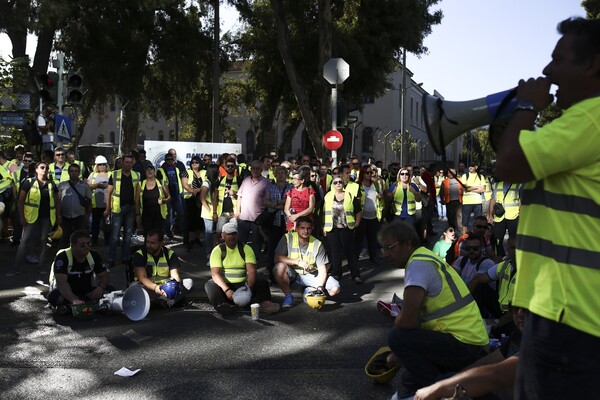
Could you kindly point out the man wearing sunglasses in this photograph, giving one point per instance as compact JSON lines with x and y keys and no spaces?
{"x":439,"y":329}
{"x":78,"y":275}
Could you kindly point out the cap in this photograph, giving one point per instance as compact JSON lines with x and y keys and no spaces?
{"x":230,"y":227}
{"x":101,"y":160}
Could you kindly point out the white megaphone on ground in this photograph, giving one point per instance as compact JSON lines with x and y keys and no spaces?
{"x":134,"y":302}
{"x":447,"y":120}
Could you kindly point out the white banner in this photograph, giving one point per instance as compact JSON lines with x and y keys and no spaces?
{"x":156,"y":150}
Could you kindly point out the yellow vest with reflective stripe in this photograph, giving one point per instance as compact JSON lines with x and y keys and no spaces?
{"x":511,"y":203}
{"x":221,"y":193}
{"x":506,"y":284}
{"x":186,"y":194}
{"x":203,"y":212}
{"x":411,"y":203}
{"x":158,"y":273}
{"x":233,"y":273}
{"x":452,"y":311}
{"x":161,"y":195}
{"x":348,"y":210}
{"x":69,"y":252}
{"x":115,"y":198}
{"x":165,"y":179}
{"x":354,"y":189}
{"x":472,"y":180}
{"x":92,"y":177}
{"x":487,"y":195}
{"x":82,"y":167}
{"x":295,"y":253}
{"x":6,"y":181}
{"x":33,"y":199}
{"x":15,"y":177}
{"x":64,"y":172}
{"x":380,"y":203}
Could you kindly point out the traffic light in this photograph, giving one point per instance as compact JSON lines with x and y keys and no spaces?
{"x":74,"y":89}
{"x":49,"y":87}
{"x":342,"y":114}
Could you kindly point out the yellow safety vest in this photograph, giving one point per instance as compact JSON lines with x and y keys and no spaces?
{"x":6,"y":179}
{"x":158,"y":273}
{"x":348,"y":210}
{"x":453,"y":310}
{"x":354,"y":189}
{"x":411,"y":203}
{"x":33,"y":199}
{"x":233,"y":271}
{"x":506,"y":284}
{"x":380,"y":202}
{"x":203,"y":212}
{"x":64,"y":173}
{"x":221,"y":193}
{"x":186,"y":194}
{"x":487,"y":195}
{"x":472,"y":180}
{"x":161,"y":195}
{"x":511,"y":203}
{"x":295,"y":253}
{"x":69,"y":252}
{"x":93,"y":176}
{"x":165,"y":179}
{"x":115,"y":201}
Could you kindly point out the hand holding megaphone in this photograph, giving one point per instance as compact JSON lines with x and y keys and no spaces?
{"x":537,"y":91}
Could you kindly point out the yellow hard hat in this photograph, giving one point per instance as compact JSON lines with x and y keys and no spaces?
{"x":315,"y":300}
{"x":378,"y":368}
{"x":56,"y":234}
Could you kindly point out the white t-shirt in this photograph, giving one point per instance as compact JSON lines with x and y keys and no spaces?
{"x":369,"y":211}
{"x":470,"y":269}
{"x":423,"y":274}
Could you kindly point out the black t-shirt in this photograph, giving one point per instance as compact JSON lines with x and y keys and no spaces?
{"x":227,"y":200}
{"x":127,"y":192}
{"x":44,"y":210}
{"x":80,"y":278}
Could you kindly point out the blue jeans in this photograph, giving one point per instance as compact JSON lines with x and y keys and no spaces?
{"x":425,"y":355}
{"x":248,"y":232}
{"x":176,"y":209}
{"x":557,"y":362}
{"x":467,"y":209}
{"x":124,"y":219}
{"x":208,"y":229}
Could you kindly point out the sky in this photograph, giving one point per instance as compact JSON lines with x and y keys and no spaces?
{"x":481,"y":46}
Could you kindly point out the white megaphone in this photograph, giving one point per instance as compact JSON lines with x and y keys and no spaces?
{"x":447,"y":120}
{"x":134,"y":302}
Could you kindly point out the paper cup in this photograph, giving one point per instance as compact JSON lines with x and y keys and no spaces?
{"x":255,"y":310}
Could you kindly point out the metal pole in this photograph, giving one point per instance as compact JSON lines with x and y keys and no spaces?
{"x":334,"y":121}
{"x":216,"y":123}
{"x":402,"y":95}
{"x":60,"y":98}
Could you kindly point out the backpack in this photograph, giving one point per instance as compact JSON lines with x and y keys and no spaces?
{"x":464,"y":259}
{"x":240,"y":246}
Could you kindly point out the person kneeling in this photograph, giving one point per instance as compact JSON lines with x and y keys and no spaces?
{"x":233,"y":265}
{"x":154,"y":265}
{"x":301,"y":260}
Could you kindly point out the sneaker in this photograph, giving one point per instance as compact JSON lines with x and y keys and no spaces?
{"x":388,"y":309}
{"x":364,"y":254}
{"x":226,"y":308}
{"x":288,"y":301}
{"x":268,"y":307}
{"x":13,"y":272}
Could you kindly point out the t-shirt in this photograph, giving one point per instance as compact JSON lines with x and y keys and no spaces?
{"x":370,"y":210}
{"x":470,"y":269}
{"x":227,"y":200}
{"x":441,"y":248}
{"x":424,"y":275}
{"x":320,"y":259}
{"x":127,"y":193}
{"x":232,"y":258}
{"x":81,"y":277}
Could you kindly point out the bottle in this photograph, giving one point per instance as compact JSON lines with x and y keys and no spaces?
{"x":107,"y":221}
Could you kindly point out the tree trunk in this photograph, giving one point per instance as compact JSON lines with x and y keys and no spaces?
{"x":283,"y":43}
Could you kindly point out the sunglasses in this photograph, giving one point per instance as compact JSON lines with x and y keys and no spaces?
{"x":404,"y":174}
{"x":472,"y":248}
{"x":305,"y":161}
{"x":27,"y":160}
{"x":168,"y":159}
{"x":355,"y":163}
{"x":337,"y":182}
{"x":388,"y":248}
{"x":195,"y":162}
{"x":450,"y":230}
{"x":42,"y":167}
{"x":230,"y":166}
{"x":86,"y":244}
{"x":481,"y":226}
{"x":59,"y":154}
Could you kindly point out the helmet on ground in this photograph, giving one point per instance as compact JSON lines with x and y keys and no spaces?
{"x":100,"y":160}
{"x":378,"y":368}
{"x":84,"y":311}
{"x":171,"y":288}
{"x":315,"y":299}
{"x":2,"y":207}
{"x":242,"y":296}
{"x":56,"y":234}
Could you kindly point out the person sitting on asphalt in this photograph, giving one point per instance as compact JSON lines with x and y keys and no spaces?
{"x":480,"y":227}
{"x":75,"y":272}
{"x":439,"y":328}
{"x":472,"y":264}
{"x":301,"y":260}
{"x":153,"y":265}
{"x":233,"y":265}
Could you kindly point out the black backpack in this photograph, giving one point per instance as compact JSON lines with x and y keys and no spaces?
{"x":240,"y":246}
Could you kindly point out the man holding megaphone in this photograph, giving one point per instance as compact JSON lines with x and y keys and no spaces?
{"x":558,"y":279}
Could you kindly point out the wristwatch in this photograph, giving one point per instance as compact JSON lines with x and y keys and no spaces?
{"x":525,"y":105}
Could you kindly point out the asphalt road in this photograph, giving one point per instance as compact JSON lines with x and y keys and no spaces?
{"x":193,"y":353}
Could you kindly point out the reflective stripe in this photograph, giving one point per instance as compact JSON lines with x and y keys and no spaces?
{"x":560,"y":202}
{"x":559,"y":253}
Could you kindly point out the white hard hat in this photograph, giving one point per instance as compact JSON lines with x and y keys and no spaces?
{"x":101,"y":160}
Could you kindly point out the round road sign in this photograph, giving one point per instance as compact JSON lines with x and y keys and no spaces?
{"x":333,"y":140}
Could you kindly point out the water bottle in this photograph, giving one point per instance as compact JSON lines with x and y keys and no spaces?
{"x":107,"y":221}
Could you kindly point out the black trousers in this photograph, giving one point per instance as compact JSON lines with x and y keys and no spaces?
{"x":216,"y":296}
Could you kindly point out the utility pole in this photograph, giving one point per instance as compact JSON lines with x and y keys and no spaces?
{"x":216,"y":123}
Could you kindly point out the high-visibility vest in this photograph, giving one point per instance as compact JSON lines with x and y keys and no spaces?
{"x":354,"y":189}
{"x":379,"y":200}
{"x":411,"y":203}
{"x":165,"y":180}
{"x":348,"y":210}
{"x":487,"y":195}
{"x":82,"y":168}
{"x":16,"y":177}
{"x":453,"y":310}
{"x":451,"y":188}
{"x":232,"y":271}
{"x":309,"y":256}
{"x":186,"y":194}
{"x":161,"y":195}
{"x":69,"y":252}
{"x":64,"y":173}
{"x":507,"y":276}
{"x":221,"y":193}
{"x":157,"y":272}
{"x":5,"y":179}
{"x":511,"y":202}
{"x":93,"y":177}
{"x":472,"y":180}
{"x":204,"y":213}
{"x":115,"y":201}
{"x":33,"y":200}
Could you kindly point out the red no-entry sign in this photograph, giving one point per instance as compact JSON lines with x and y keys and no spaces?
{"x":333,"y":140}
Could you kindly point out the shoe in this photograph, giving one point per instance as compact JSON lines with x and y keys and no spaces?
{"x":288,"y":301}
{"x":364,"y":254}
{"x":388,"y":309}
{"x":268,"y":307}
{"x":358,"y":281}
{"x":13,"y":272}
{"x":62,"y":310}
{"x":226,"y":308}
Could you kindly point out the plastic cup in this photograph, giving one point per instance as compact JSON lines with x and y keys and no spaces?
{"x":254,"y":311}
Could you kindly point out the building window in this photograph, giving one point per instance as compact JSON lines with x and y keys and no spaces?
{"x":112,"y":137}
{"x":101,"y":138}
{"x":411,"y":110}
{"x":249,"y":141}
{"x":367,"y":140}
{"x":418,"y":119}
{"x":161,"y":136}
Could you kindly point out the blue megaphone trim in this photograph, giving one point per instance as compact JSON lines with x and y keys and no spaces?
{"x":500,"y":106}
